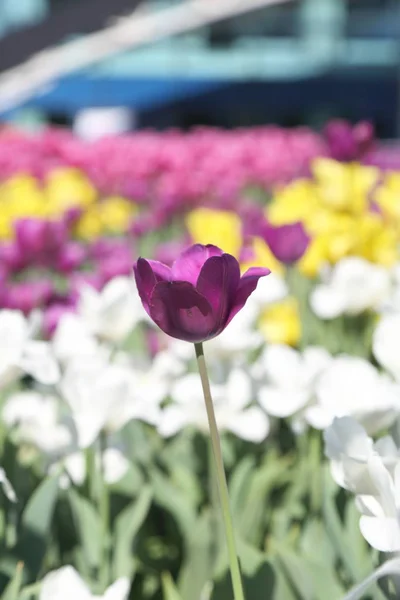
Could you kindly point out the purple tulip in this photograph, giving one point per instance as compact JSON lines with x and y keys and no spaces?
{"x":287,"y":242}
{"x":30,"y":235}
{"x":347,"y":142}
{"x":26,"y":296}
{"x":71,"y":256}
{"x":199,"y":295}
{"x":11,"y":257}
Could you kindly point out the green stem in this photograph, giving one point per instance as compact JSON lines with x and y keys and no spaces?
{"x":104,"y":510}
{"x":221,"y":477}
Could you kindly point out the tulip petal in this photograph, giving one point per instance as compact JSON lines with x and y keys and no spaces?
{"x":188,"y":265}
{"x":181,"y":311}
{"x":218,"y":281}
{"x":247,"y":285}
{"x":147,"y":274}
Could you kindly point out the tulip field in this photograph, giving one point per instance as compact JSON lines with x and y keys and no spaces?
{"x":155,"y":281}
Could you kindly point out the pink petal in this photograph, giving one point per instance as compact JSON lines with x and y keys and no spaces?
{"x":147,"y":274}
{"x":247,"y":285}
{"x":218,"y":282}
{"x":188,"y":265}
{"x":181,"y":311}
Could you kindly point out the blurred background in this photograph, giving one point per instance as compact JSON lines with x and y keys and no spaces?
{"x":105,"y":66}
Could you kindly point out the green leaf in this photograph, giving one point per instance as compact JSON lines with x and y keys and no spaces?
{"x":88,"y":523}
{"x":250,"y":519}
{"x":12,"y":591}
{"x":175,"y":501}
{"x":239,"y":484}
{"x":170,"y":591}
{"x":260,"y":586}
{"x":36,"y":525}
{"x":198,"y":566}
{"x":297,"y":573}
{"x":126,"y":526}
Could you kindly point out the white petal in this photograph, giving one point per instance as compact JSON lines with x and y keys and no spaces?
{"x":369,"y":506}
{"x":346,"y":436}
{"x":173,"y":419}
{"x":251,"y":425}
{"x":352,"y":386}
{"x":280,"y":402}
{"x":64,"y":584}
{"x":7,"y":487}
{"x":381,"y":533}
{"x":269,"y":290}
{"x":327,"y":302}
{"x":384,"y":485}
{"x":115,"y":464}
{"x":315,"y":360}
{"x":118,"y":590}
{"x":38,"y":361}
{"x":385,"y":343}
{"x":283,"y":365}
{"x":112,"y":313}
{"x":319,"y":416}
{"x":75,"y":465}
{"x":238,"y":388}
{"x":188,"y":390}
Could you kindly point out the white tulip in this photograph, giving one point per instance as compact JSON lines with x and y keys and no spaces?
{"x":380,"y":521}
{"x":20,"y":353}
{"x":287,"y":378}
{"x":351,"y":287}
{"x":371,"y":471}
{"x":36,"y":419}
{"x":72,"y":339}
{"x":115,"y":466}
{"x":112,"y":313}
{"x":349,"y":448}
{"x":231,"y":404}
{"x":66,"y":583}
{"x":385,"y":343}
{"x":106,"y":396}
{"x":351,"y":386}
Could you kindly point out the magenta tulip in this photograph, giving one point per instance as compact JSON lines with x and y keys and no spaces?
{"x":199,"y":295}
{"x":287,"y":242}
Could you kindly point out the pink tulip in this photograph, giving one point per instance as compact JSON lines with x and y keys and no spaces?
{"x":199,"y":295}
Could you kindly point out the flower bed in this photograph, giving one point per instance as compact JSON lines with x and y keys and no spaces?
{"x":104,"y":434}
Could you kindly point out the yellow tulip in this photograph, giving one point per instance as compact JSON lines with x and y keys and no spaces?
{"x":89,"y":226}
{"x":388,"y":196}
{"x":315,"y":257}
{"x":263,"y":257}
{"x":219,"y":227}
{"x":66,"y":188}
{"x":116,"y":214}
{"x":280,"y":323}
{"x":293,"y":203}
{"x":344,"y":186}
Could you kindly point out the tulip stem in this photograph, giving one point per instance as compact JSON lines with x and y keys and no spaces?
{"x":221,"y":477}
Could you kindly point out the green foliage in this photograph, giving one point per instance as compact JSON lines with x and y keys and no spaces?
{"x":297,"y":534}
